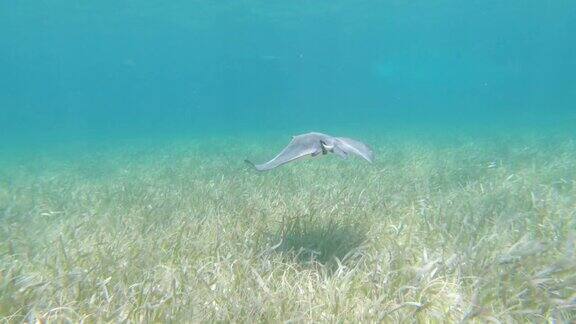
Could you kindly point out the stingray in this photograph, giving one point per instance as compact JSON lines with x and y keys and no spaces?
{"x":314,"y":144}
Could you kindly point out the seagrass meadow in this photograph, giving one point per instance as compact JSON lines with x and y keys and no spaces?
{"x":125,"y":198}
{"x":442,"y":228}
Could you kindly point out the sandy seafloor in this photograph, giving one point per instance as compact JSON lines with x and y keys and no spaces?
{"x":442,"y":227}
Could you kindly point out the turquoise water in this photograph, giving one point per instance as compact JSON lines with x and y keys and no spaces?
{"x":124,"y":195}
{"x":118,"y":69}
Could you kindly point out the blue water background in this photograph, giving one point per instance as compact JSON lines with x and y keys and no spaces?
{"x":89,"y":69}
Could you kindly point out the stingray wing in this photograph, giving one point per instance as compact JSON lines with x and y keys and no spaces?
{"x":300,"y":146}
{"x":350,"y":146}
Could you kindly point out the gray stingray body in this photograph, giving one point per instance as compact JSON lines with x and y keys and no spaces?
{"x":314,"y":144}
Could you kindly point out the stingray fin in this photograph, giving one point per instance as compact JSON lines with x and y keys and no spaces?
{"x":299,"y":147}
{"x":341,"y":153}
{"x":349,"y":145}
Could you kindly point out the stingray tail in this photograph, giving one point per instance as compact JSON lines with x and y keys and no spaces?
{"x":251,"y":164}
{"x":254,"y":165}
